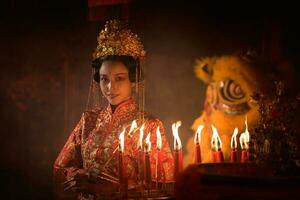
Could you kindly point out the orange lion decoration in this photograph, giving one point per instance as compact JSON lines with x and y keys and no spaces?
{"x":231,"y":81}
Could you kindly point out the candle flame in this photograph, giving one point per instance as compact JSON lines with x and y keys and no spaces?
{"x":198,"y":134}
{"x":158,"y":139}
{"x":132,"y":128}
{"x":216,"y":142}
{"x":233,"y":142}
{"x":246,"y":130}
{"x":245,"y":137}
{"x":140,"y":144}
{"x":121,"y":140}
{"x":177,"y":141}
{"x":147,"y":143}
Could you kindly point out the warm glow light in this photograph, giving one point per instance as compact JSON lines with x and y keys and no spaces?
{"x":158,"y":139}
{"x":198,"y":134}
{"x":177,"y":141}
{"x":132,"y":128}
{"x":140,"y":144}
{"x":216,"y":142}
{"x":245,"y":137}
{"x":247,"y":132}
{"x":121,"y":140}
{"x":243,"y":142}
{"x":233,"y":142}
{"x":148,"y":143}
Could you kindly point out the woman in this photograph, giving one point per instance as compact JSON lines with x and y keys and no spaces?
{"x":87,"y":166}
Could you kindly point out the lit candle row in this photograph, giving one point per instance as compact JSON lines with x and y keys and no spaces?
{"x":216,"y":145}
{"x":144,"y":166}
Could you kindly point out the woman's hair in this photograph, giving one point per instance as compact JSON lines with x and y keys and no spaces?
{"x":133,"y":66}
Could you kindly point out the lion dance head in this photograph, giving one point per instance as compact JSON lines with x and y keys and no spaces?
{"x":231,"y":82}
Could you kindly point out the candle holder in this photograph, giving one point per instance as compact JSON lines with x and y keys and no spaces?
{"x":232,"y":169}
{"x":235,"y":181}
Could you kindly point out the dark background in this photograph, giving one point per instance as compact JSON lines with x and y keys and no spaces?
{"x":46,"y":49}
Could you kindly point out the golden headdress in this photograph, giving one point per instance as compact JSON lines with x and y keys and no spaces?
{"x":117,"y":39}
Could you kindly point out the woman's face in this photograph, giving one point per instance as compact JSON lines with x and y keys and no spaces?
{"x":114,"y":82}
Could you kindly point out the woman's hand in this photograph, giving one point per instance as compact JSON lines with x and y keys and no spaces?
{"x":89,"y":182}
{"x":77,"y":181}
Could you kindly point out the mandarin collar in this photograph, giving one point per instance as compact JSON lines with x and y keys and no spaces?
{"x":128,"y":105}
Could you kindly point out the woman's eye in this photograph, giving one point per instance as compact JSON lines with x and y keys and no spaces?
{"x":120,"y":78}
{"x":103,"y":79}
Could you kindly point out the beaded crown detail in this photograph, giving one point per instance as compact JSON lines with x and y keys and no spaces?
{"x":117,"y":39}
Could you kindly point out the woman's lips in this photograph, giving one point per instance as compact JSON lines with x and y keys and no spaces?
{"x":112,"y":96}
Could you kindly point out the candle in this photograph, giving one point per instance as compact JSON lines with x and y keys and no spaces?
{"x":233,"y":146}
{"x":244,"y":156}
{"x":133,"y":128}
{"x":213,"y":156}
{"x":212,"y":144}
{"x":244,"y":142}
{"x":216,"y":144}
{"x":233,"y":155}
{"x":219,"y":156}
{"x":177,"y":150}
{"x":122,"y":173}
{"x":158,"y":158}
{"x":147,"y":162}
{"x":197,"y":140}
{"x":141,"y":155}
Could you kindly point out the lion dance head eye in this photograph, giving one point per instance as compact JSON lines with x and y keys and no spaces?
{"x":232,"y":99}
{"x":231,"y":91}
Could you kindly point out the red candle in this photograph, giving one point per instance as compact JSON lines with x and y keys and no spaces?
{"x":158,"y":158}
{"x":233,"y":155}
{"x":219,"y":156}
{"x":197,"y":158}
{"x":121,"y":169}
{"x":147,"y":163}
{"x":141,"y":156}
{"x":213,"y":156}
{"x":233,"y":146}
{"x":141,"y":161}
{"x":216,"y":145}
{"x":244,"y":142}
{"x":197,"y":140}
{"x":178,"y":164}
{"x":244,"y":156}
{"x":147,"y":171}
{"x":159,"y":167}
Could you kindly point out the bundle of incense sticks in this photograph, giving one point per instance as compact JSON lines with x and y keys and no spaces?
{"x":107,"y":177}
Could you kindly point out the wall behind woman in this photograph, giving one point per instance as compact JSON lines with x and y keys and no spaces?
{"x":45,"y":57}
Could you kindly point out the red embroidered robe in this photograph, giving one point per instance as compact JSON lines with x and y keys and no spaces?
{"x":96,"y":136}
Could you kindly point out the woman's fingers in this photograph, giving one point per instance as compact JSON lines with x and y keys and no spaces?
{"x":68,"y":181}
{"x":69,"y":185}
{"x":75,"y":177}
{"x":76,"y":182}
